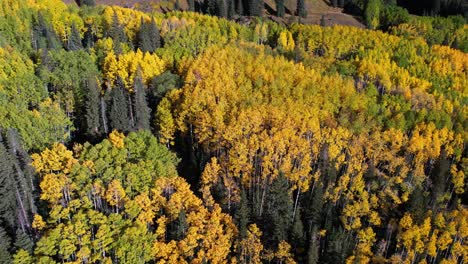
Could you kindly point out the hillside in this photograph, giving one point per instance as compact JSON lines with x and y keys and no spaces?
{"x":316,"y":9}
{"x":129,"y":136}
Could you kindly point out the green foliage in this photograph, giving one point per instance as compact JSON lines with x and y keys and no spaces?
{"x":141,"y":109}
{"x":393,"y":15}
{"x":372,"y":13}
{"x":119,"y":108}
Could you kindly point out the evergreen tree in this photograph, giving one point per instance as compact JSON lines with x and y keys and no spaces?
{"x":7,"y":191}
{"x":177,"y":6}
{"x":313,"y":251}
{"x":118,"y":110}
{"x":89,"y":2}
{"x":277,"y":218}
{"x":74,"y":41}
{"x":221,"y":8}
{"x":301,"y":9}
{"x":239,"y":7}
{"x":92,"y":91}
{"x":43,"y":35}
{"x":297,"y":233}
{"x":5,"y":244}
{"x":117,"y":33}
{"x":212,"y":7}
{"x":23,"y":241}
{"x":243,"y":214}
{"x":418,"y":205}
{"x":255,"y":7}
{"x":341,"y":3}
{"x":436,"y":7}
{"x":231,"y":9}
{"x":180,"y":227}
{"x":23,"y":179}
{"x":149,"y":38}
{"x":141,"y":109}
{"x":191,"y":5}
{"x":280,"y":9}
{"x":154,"y":35}
{"x":144,"y":41}
{"x":88,"y":39}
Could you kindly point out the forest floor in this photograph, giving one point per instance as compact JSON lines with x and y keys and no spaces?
{"x":316,"y":10}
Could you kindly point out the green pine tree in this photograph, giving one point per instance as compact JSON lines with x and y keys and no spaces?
{"x":74,"y":41}
{"x":154,"y":35}
{"x":144,"y":41}
{"x":239,"y":7}
{"x":313,"y":251}
{"x":5,"y":244}
{"x":23,"y":241}
{"x":141,"y":109}
{"x":191,"y":5}
{"x":117,"y":33}
{"x":92,"y":111}
{"x":243,"y":214}
{"x":88,"y":38}
{"x":118,"y":110}
{"x":7,"y":189}
{"x":301,"y":9}
{"x":280,"y":9}
{"x":279,"y":209}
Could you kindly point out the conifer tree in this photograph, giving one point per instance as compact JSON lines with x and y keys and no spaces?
{"x":256,"y":7}
{"x":301,"y":9}
{"x":221,"y":8}
{"x":89,"y":2}
{"x":191,"y":5}
{"x":243,"y":214}
{"x":23,"y":179}
{"x":7,"y":192}
{"x":144,"y":42}
{"x":239,"y":7}
{"x":154,"y":35}
{"x":280,"y":10}
{"x":117,"y":33}
{"x":231,"y":9}
{"x":436,"y":7}
{"x":118,"y":110}
{"x":88,"y":38}
{"x":5,"y":244}
{"x":92,"y":102}
{"x":149,"y":38}
{"x":141,"y":109}
{"x":212,"y":7}
{"x":277,"y":217}
{"x":74,"y":41}
{"x":23,"y":241}
{"x":313,"y":251}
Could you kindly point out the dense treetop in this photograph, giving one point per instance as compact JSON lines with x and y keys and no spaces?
{"x":181,"y":137}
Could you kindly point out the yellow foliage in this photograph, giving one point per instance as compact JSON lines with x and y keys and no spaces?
{"x":117,"y":139}
{"x":126,"y":66}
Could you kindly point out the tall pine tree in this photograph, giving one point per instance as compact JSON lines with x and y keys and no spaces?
{"x":141,"y":110}
{"x":5,"y":244}
{"x":301,"y":9}
{"x":117,"y":33}
{"x":118,"y":110}
{"x":74,"y":40}
{"x":92,"y":112}
{"x":280,"y":9}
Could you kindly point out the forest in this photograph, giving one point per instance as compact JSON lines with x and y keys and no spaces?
{"x":195,"y":136}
